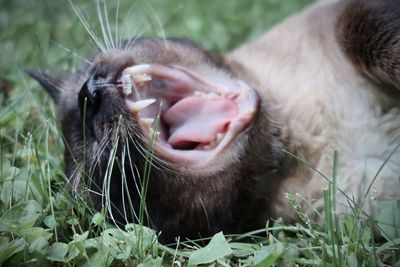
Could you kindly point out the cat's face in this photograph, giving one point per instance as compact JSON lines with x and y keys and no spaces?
{"x":168,"y":107}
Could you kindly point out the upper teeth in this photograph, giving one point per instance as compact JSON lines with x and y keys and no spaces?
{"x":139,"y":105}
{"x":144,"y":77}
{"x":147,"y":122}
{"x":126,"y":84}
{"x":210,"y":95}
{"x":137,"y":69}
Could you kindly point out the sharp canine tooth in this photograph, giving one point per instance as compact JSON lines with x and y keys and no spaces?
{"x":147,"y":121}
{"x":138,"y":69}
{"x":142,"y":78}
{"x":140,"y":105}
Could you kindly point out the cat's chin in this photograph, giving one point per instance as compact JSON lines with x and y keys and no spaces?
{"x":190,"y":119}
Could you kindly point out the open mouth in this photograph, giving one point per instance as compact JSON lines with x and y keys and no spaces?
{"x":191,"y":119}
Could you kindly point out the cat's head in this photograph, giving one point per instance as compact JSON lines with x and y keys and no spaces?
{"x":167,"y":110}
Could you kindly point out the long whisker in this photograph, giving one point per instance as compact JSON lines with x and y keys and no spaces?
{"x":73,"y":53}
{"x":86,"y":25}
{"x":103,"y":29}
{"x":137,"y":36}
{"x":124,"y":189}
{"x":111,"y":40}
{"x":132,"y":167}
{"x":157,"y":163}
{"x":157,"y":20}
{"x":116,"y":24}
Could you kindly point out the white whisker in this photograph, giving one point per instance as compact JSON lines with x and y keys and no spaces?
{"x":111,"y":40}
{"x":103,"y":30}
{"x":86,"y":25}
{"x":163,"y":36}
{"x":117,"y":38}
{"x":134,"y":180}
{"x":137,"y":36}
{"x":73,"y":53}
{"x":157,"y":163}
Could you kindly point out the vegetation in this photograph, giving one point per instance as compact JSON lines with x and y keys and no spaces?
{"x":41,"y":224}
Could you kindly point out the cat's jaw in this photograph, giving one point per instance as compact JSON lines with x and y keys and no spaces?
{"x":190,"y":119}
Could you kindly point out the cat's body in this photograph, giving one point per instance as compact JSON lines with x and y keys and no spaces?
{"x":325,"y":104}
{"x":318,"y":89}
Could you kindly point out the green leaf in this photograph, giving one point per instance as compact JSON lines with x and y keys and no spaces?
{"x":351,"y":259}
{"x":7,"y":179}
{"x":268,"y":255}
{"x":50,"y":221}
{"x":57,"y":252}
{"x":101,"y":258}
{"x":7,"y":249}
{"x":389,"y":219}
{"x":118,"y":243}
{"x":20,"y":216}
{"x":73,"y":221}
{"x":91,"y":243}
{"x":143,"y":235}
{"x":242,"y":249}
{"x":73,"y":252}
{"x":151,"y":262}
{"x":39,"y":245}
{"x":77,"y":246}
{"x":216,"y":249}
{"x":30,"y":234}
{"x":98,"y":218}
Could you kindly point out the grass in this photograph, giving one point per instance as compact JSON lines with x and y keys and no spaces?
{"x":41,"y":224}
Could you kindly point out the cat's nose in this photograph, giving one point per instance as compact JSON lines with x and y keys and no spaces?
{"x":91,"y":93}
{"x":90,"y":96}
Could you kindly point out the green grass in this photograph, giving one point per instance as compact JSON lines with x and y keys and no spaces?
{"x":42,"y":224}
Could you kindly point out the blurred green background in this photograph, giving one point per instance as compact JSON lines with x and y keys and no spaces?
{"x":48,"y":33}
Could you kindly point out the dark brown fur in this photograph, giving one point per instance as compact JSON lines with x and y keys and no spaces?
{"x":369,"y":33}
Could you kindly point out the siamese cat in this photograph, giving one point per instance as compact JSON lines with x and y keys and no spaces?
{"x":214,"y":143}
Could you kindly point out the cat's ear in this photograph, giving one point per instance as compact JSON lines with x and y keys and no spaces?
{"x":52,"y":85}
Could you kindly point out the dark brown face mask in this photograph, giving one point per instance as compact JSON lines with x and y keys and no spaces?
{"x":163,"y":117}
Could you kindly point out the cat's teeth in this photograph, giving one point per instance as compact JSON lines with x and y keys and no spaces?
{"x":213,"y":96}
{"x":147,"y":122}
{"x":134,"y":70}
{"x":199,"y":94}
{"x":142,"y":78}
{"x":207,"y":96}
{"x":126,"y":84}
{"x":139,"y":105}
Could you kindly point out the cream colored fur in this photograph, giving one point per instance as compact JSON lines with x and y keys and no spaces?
{"x":323,"y":104}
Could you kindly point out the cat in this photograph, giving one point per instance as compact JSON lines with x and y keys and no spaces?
{"x":215,"y":142}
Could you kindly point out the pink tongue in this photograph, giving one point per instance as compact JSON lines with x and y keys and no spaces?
{"x":196,"y":120}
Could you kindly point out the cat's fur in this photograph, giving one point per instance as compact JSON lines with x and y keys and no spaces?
{"x":328,"y":79}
